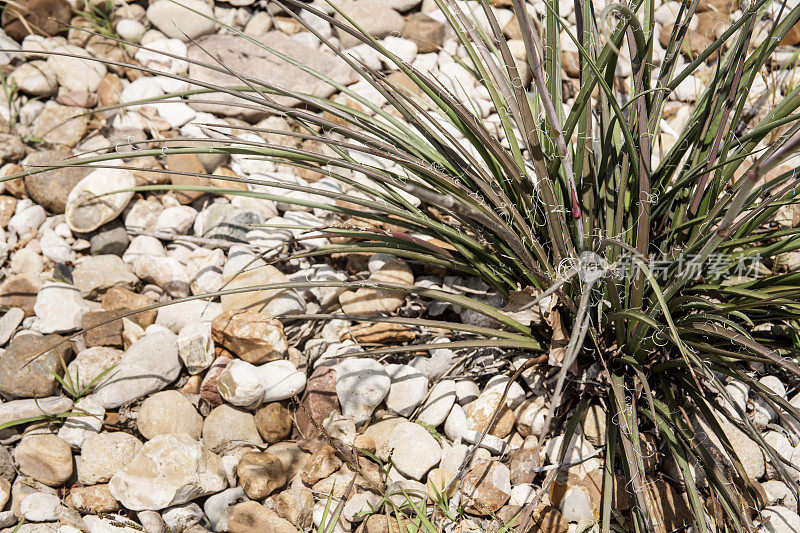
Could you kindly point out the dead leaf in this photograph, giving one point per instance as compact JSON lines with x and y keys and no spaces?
{"x":520,"y":309}
{"x":559,"y":340}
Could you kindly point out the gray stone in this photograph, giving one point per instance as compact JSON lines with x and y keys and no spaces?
{"x":249,"y":59}
{"x":9,"y":323}
{"x":178,"y":315}
{"x":408,"y":390}
{"x":169,"y":470}
{"x":59,"y":308}
{"x":110,"y":239}
{"x":196,"y":347}
{"x":225,"y":424}
{"x":439,"y":403}
{"x":149,"y":365}
{"x":215,"y":506}
{"x":89,"y":204}
{"x":177,"y":22}
{"x":17,"y":409}
{"x":94,"y":275}
{"x":76,"y":429}
{"x":228,"y":223}
{"x":414,"y":450}
{"x":375,"y":17}
{"x":361,"y":384}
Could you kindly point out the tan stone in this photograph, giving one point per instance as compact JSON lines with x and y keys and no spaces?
{"x":438,"y":478}
{"x":45,"y":458}
{"x":260,"y":474}
{"x":723,"y":6}
{"x":487,"y":488}
{"x":8,"y":205}
{"x":334,"y":485}
{"x":590,"y":489}
{"x":249,"y":517}
{"x":712,"y":24}
{"x":274,"y":422}
{"x":148,"y":172}
{"x":190,"y":163}
{"x":521,"y":465}
{"x":110,"y":90}
{"x":379,"y":523}
{"x":169,"y":412}
{"x":227,"y":184}
{"x":320,"y":465}
{"x":376,"y":18}
{"x":102,"y":329}
{"x":378,"y":333}
{"x":254,"y":337}
{"x":530,"y":416}
{"x":426,"y":32}
{"x":40,"y":17}
{"x":668,"y":508}
{"x":20,"y":291}
{"x":403,"y":81}
{"x":594,"y":425}
{"x":252,"y":276}
{"x":15,"y":187}
{"x":364,"y":442}
{"x":792,"y":37}
{"x":479,"y":414}
{"x":366,"y":301}
{"x":93,"y":499}
{"x":294,"y":459}
{"x":121,"y":299}
{"x":60,"y":125}
{"x":552,"y":521}
{"x":296,"y":505}
{"x":30,"y":365}
{"x":693,"y":44}
{"x":318,"y":402}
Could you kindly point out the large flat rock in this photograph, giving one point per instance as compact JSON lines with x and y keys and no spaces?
{"x":249,"y":59}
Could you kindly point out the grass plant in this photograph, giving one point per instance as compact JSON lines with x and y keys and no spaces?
{"x":640,"y":244}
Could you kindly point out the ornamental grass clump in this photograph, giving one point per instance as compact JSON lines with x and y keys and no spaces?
{"x":641,"y":268}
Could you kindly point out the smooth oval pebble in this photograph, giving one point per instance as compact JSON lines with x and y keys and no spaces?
{"x":281,"y":380}
{"x":89,"y":205}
